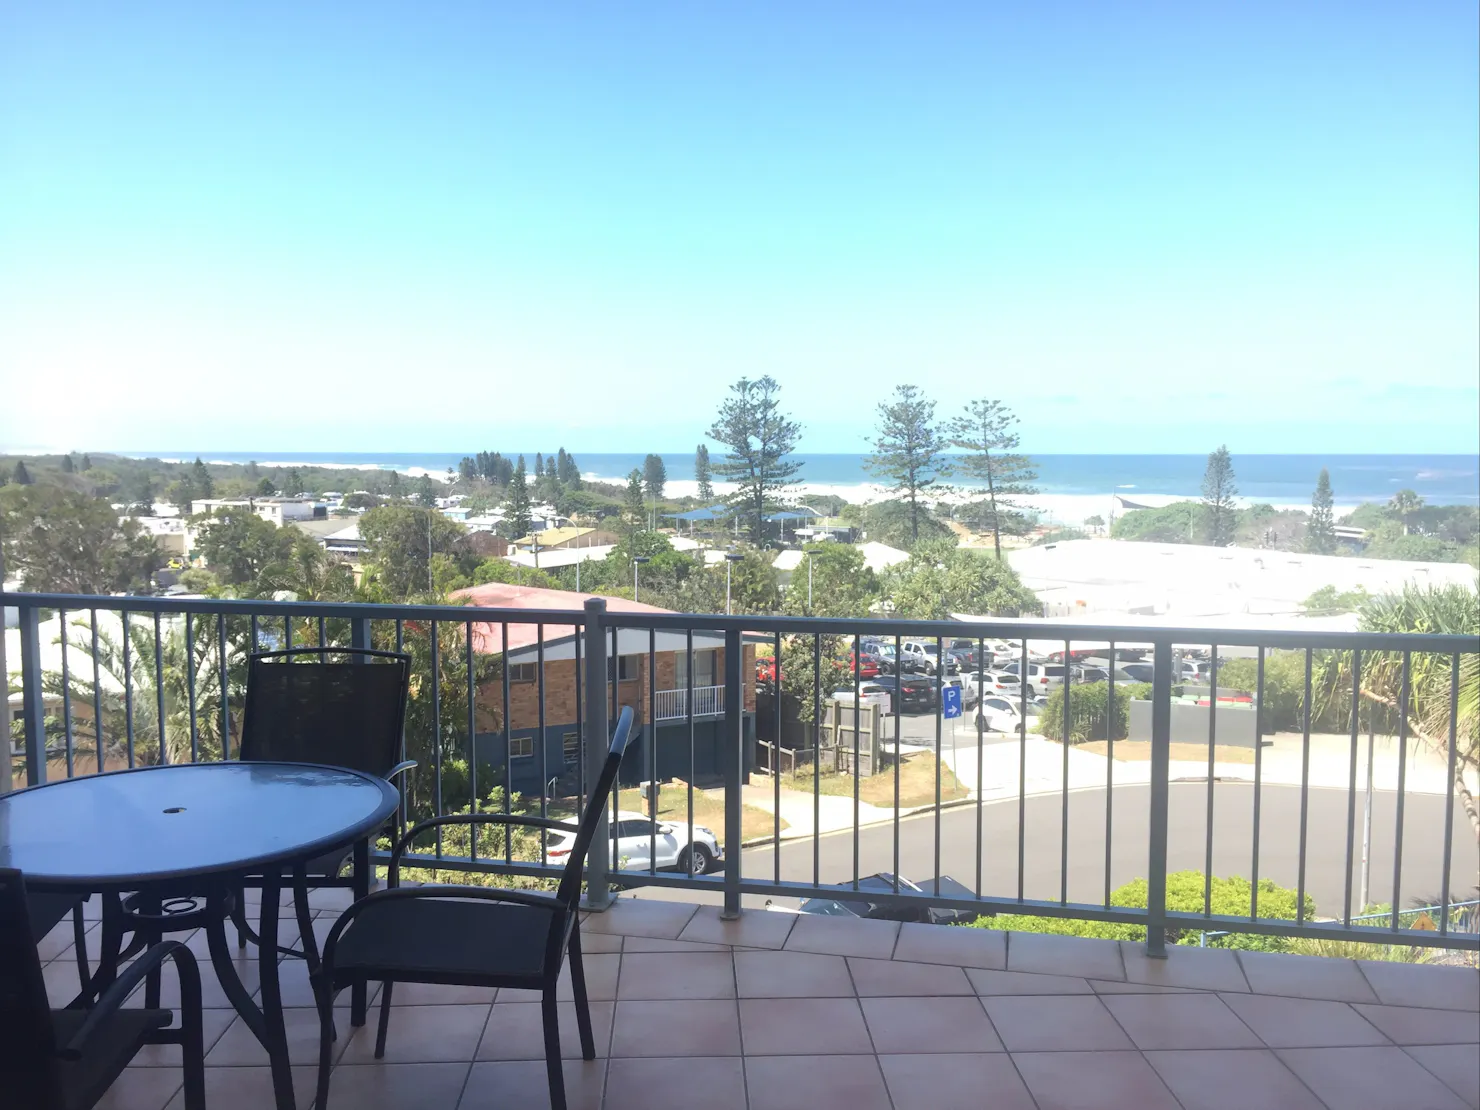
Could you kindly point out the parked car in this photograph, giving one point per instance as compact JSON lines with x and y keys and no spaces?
{"x":905,"y":662}
{"x":903,"y":906}
{"x":869,"y":693}
{"x":927,"y":651}
{"x":970,"y":692}
{"x":1135,"y":672}
{"x":694,"y":850}
{"x":1039,"y":676}
{"x":866,"y":663}
{"x":996,"y":682}
{"x":999,"y":714}
{"x":915,"y":693}
{"x":1194,"y":670}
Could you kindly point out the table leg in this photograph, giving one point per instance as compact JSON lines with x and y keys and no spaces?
{"x":110,"y":945}
{"x":359,"y":990}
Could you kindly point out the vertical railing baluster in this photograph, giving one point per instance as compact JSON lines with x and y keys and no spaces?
{"x":223,"y":684}
{"x":1449,"y":795}
{"x":1022,"y":768}
{"x":1161,"y":743}
{"x":190,"y":687}
{"x":288,"y":632}
{"x":580,"y":645}
{"x":775,"y":752}
{"x":651,"y":750}
{"x":321,"y":632}
{"x":940,"y":721}
{"x":1064,"y":783}
{"x":66,"y":694}
{"x":97,"y":692}
{"x":857,"y":770}
{"x":1403,"y":703}
{"x":613,"y":681}
{"x":981,"y":696}
{"x":437,"y":731}
{"x":164,"y":745}
{"x":128,"y":683}
{"x":734,"y":770}
{"x":1112,"y":720}
{"x":255,"y":639}
{"x":595,"y":741}
{"x":898,"y":740}
{"x":543,"y":755}
{"x":472,"y":738}
{"x":1304,"y":793}
{"x":1259,"y":719}
{"x":1212,"y":747}
{"x":508,"y":745}
{"x":816,"y":763}
{"x":688,"y":702}
{"x":1351,"y":790}
{"x":33,"y":700}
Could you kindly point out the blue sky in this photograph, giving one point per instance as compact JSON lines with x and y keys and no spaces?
{"x":1147,"y":226}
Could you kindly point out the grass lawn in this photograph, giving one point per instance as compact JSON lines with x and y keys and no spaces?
{"x":673,"y":805}
{"x":1139,"y":751}
{"x":916,"y":783}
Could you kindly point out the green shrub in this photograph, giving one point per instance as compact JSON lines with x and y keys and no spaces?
{"x":1230,"y":896}
{"x":1088,"y":709}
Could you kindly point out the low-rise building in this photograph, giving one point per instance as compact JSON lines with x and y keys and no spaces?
{"x":557,"y":539}
{"x":274,"y":510}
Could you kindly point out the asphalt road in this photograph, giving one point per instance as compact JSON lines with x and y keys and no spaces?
{"x":832,"y":854}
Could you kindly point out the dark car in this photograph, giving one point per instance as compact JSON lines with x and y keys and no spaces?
{"x":912,"y":693}
{"x":901,"y":907}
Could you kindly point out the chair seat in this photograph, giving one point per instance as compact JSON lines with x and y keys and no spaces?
{"x":108,"y":1051}
{"x":422,"y":939}
{"x":47,"y":911}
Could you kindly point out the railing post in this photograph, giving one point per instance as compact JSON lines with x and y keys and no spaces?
{"x":5,"y":771}
{"x":596,"y":741}
{"x":33,"y":705}
{"x":734,"y":770}
{"x":359,"y":633}
{"x":1161,"y":755}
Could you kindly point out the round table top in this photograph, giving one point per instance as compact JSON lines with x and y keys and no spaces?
{"x":131,"y":828}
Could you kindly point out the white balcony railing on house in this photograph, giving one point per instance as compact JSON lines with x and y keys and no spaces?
{"x":709,"y":701}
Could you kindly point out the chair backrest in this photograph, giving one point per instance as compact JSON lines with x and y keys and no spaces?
{"x":569,"y":890}
{"x":302,"y":707}
{"x":28,"y":1045}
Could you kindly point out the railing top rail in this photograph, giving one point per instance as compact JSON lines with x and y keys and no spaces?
{"x":1010,"y":630}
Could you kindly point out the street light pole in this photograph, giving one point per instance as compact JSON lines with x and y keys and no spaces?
{"x":809,"y":582}
{"x":731,"y":558}
{"x":637,"y":561}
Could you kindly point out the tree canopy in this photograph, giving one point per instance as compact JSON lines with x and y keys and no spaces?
{"x":940,"y":579}
{"x":59,"y":540}
{"x":400,"y":539}
{"x":988,"y":434}
{"x":1320,"y":533}
{"x":759,"y":439}
{"x":1219,"y":489}
{"x":909,"y":450}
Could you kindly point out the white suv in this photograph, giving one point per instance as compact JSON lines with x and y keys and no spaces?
{"x":1041,"y":677}
{"x":695,"y":851}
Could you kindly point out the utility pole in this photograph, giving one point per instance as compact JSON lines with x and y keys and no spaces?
{"x":637,"y":561}
{"x":731,"y":558}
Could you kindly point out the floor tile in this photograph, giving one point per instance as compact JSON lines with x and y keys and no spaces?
{"x":1412,"y":1025}
{"x":955,"y":1082}
{"x":929,"y":1025}
{"x":1022,"y":982}
{"x":675,"y":1084}
{"x":812,"y":1082}
{"x":420,"y":1034}
{"x":639,"y":917}
{"x":1368,"y":1079}
{"x":525,"y":1084}
{"x":1107,"y":986}
{"x":1168,"y":1021}
{"x":843,"y":936}
{"x":601,"y":942}
{"x":792,"y":975}
{"x":1334,"y":980}
{"x":238,"y":1047}
{"x":1444,"y":988}
{"x":602,"y":969}
{"x":1303,"y":1022}
{"x":213,"y":1023}
{"x":790,"y":1026}
{"x":932,"y":944}
{"x":676,"y":1028}
{"x":1093,"y":1081}
{"x":388,"y":1086}
{"x":652,"y":975}
{"x":59,"y":941}
{"x":661,"y":944}
{"x":516,"y":1031}
{"x":143,"y":1088}
{"x":250,"y":1088}
{"x":1234,"y":1079}
{"x":1185,"y":966}
{"x":1457,"y":1065}
{"x":436,"y":994}
{"x":1047,"y":1023}
{"x":752,"y":929}
{"x":885,"y":978}
{"x":1056,"y":955}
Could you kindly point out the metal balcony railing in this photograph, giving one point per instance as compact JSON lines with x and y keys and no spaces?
{"x":110,"y":682}
{"x":708,"y":701}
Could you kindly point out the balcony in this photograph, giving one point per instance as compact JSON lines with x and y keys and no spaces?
{"x":775,"y":1009}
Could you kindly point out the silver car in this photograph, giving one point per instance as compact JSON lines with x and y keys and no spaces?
{"x":693,"y":850}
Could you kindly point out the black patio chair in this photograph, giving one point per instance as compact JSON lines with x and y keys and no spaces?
{"x":67,"y":1059}
{"x":47,"y":912}
{"x":301,"y":707}
{"x":471,"y":936}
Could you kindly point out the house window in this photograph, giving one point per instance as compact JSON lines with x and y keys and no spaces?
{"x":571,"y":744}
{"x":704,"y":669}
{"x":522,"y":672}
{"x":521,"y":747}
{"x":626,"y":668}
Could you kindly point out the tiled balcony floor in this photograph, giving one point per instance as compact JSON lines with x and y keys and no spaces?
{"x":777,"y":1012}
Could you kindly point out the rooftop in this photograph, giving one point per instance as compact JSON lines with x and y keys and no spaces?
{"x":778,"y":1011}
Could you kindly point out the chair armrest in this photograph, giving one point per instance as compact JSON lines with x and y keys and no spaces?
{"x":531,"y":898}
{"x":400,"y":769}
{"x":469,"y":819}
{"x":118,"y":992}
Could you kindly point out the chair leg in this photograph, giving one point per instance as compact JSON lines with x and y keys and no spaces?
{"x":578,"y":989}
{"x":552,"y":1049}
{"x":79,"y":946}
{"x":239,"y":918}
{"x":324,"y":997}
{"x":192,"y":1043}
{"x":385,"y":1018}
{"x":306,"y":940}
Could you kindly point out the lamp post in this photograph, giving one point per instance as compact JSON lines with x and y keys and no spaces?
{"x":637,"y":561}
{"x":731,"y":558}
{"x":809,"y":583}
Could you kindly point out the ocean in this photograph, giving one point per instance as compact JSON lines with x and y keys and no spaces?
{"x":1277,"y":479}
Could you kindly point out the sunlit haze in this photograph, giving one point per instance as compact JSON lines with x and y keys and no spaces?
{"x":1147,"y":227}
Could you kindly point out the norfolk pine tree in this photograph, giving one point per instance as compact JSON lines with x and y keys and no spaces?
{"x":702,"y":477}
{"x":516,"y":511}
{"x":1320,"y":534}
{"x":758,"y":437}
{"x":908,"y":450}
{"x":634,"y":509}
{"x":988,"y":434}
{"x":1218,"y":492}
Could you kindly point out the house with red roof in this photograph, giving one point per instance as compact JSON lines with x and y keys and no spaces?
{"x":527,"y":716}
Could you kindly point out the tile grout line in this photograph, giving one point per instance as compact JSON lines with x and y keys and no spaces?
{"x":1404,"y":1049}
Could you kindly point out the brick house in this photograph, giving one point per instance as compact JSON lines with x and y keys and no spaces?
{"x":651,"y":673}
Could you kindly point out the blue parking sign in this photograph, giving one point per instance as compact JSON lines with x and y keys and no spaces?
{"x":950,"y":701}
